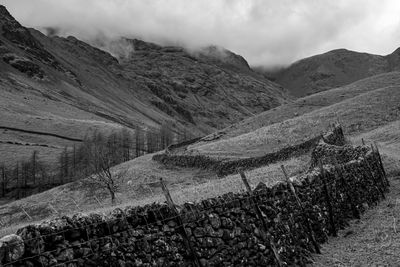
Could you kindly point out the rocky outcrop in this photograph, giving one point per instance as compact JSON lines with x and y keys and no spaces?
{"x":200,"y":87}
{"x":24,"y":65}
{"x":220,"y":55}
{"x":221,"y":231}
{"x":22,"y":38}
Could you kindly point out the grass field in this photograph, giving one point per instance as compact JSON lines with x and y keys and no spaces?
{"x":358,"y":114}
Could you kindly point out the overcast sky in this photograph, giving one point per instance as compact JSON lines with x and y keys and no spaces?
{"x":265,"y":32}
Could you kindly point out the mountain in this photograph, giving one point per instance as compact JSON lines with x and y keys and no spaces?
{"x":333,"y":69}
{"x":66,"y":87}
{"x":360,"y":106}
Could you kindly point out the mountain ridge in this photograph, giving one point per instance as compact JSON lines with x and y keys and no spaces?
{"x":333,"y":69}
{"x":62,"y":84}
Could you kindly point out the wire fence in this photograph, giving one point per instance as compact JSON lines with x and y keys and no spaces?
{"x":70,"y":206}
{"x":21,"y":214}
{"x":104,"y":231}
{"x":15,"y":216}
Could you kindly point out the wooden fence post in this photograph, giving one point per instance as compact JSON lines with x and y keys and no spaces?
{"x":373,"y":177}
{"x":381,"y":164}
{"x":261,"y":218}
{"x":308,"y":223}
{"x":328,"y":200}
{"x":26,"y":213}
{"x":181,"y":227}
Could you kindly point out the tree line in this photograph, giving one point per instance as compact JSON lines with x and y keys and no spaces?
{"x":95,"y":155}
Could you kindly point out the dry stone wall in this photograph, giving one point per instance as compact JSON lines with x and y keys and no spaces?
{"x":333,"y":154}
{"x":222,"y":231}
{"x":225,"y":167}
{"x":183,"y":144}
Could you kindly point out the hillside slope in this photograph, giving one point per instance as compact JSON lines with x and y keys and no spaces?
{"x":360,"y":106}
{"x":367,"y":109}
{"x":333,"y":69}
{"x":305,"y":104}
{"x":67,"y":87}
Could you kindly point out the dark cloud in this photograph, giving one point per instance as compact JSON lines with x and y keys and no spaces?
{"x":265,"y":32}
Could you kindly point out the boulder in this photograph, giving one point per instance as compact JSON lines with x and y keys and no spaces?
{"x":11,"y":248}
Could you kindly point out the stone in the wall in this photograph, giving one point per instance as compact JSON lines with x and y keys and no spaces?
{"x":11,"y":248}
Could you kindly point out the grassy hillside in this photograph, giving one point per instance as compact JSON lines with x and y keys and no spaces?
{"x":332,"y":69}
{"x":26,"y":107}
{"x":359,"y":107}
{"x":307,"y":104}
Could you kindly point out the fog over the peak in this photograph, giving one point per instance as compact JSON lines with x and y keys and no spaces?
{"x":265,"y":32}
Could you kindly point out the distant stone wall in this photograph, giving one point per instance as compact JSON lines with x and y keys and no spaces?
{"x":222,"y":231}
{"x":172,"y":147}
{"x":332,"y":154}
{"x":335,"y":136}
{"x":226,"y":167}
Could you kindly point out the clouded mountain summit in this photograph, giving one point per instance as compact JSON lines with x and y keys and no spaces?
{"x":267,"y":33}
{"x":56,"y":83}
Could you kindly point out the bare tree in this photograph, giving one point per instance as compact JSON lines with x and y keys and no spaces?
{"x":74,"y":161}
{"x":25,"y":174}
{"x":126,"y":140}
{"x":152,"y":141}
{"x":166,"y":135}
{"x":139,"y":142}
{"x":100,"y":160}
{"x":64,"y":165}
{"x":16,"y":178}
{"x":5,"y":180}
{"x":92,"y":158}
{"x":34,"y":166}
